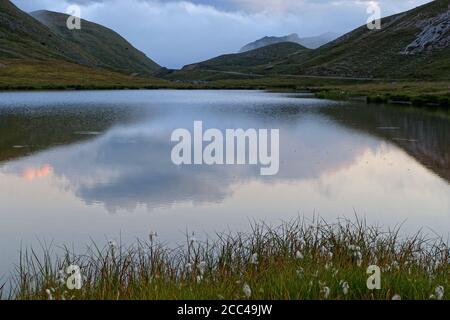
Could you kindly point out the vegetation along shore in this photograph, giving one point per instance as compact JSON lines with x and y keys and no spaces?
{"x":300,"y":259}
{"x":21,"y":77}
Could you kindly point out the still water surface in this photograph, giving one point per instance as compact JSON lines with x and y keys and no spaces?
{"x":82,"y":165}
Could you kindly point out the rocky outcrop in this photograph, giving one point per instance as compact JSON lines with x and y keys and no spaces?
{"x":435,"y":35}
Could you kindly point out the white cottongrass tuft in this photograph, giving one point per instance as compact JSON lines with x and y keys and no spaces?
{"x":345,"y":287}
{"x":254,"y":259}
{"x":358,"y":256}
{"x":325,"y":292}
{"x":439,"y":292}
{"x":247,"y":291}
{"x":354,"y":248}
{"x":395,"y":265}
{"x":356,"y":251}
{"x":335,"y":273}
{"x":61,"y":277}
{"x":202,"y":267}
{"x":299,"y":255}
{"x":49,"y":294}
{"x":397,"y":297}
{"x":112,"y":244}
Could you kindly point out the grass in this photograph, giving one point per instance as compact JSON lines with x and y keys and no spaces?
{"x":419,"y":93}
{"x":39,"y":75}
{"x":409,"y":92}
{"x":57,"y":75}
{"x":296,"y":260}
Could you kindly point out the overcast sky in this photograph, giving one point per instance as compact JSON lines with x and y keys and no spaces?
{"x":175,"y":32}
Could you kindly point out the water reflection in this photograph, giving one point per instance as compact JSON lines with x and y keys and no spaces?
{"x":25,"y":130}
{"x":98,"y":163}
{"x":130,"y":165}
{"x":423,"y":135}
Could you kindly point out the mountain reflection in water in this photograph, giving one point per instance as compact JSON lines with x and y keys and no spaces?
{"x":76,"y":165}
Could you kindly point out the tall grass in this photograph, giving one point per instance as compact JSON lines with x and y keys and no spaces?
{"x":299,"y":259}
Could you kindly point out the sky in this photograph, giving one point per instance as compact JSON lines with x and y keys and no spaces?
{"x":178,"y":32}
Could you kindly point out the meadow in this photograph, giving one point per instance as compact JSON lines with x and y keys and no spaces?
{"x":34,"y":75}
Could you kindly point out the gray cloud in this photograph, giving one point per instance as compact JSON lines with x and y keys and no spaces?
{"x":175,"y":33}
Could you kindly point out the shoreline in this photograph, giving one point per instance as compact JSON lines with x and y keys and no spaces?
{"x":297,"y":260}
{"x":426,"y":101}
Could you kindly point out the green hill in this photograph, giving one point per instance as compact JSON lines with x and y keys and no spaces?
{"x":410,"y":45}
{"x":413,"y":44}
{"x":249,"y":61}
{"x":43,"y":36}
{"x":23,"y":37}
{"x":102,"y":47}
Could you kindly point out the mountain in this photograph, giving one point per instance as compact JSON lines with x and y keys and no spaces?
{"x":43,"y":36}
{"x":103,"y":47}
{"x":23,"y":37}
{"x":250,"y":60}
{"x":309,"y":42}
{"x":413,"y":44}
{"x":318,"y":41}
{"x":410,"y":45}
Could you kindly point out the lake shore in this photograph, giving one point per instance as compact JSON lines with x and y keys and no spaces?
{"x":32,"y":76}
{"x":298,"y":260}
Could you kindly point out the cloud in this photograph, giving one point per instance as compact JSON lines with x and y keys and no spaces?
{"x":129,"y":165}
{"x":176,"y":33}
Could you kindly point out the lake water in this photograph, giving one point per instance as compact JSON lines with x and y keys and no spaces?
{"x":76,"y":166}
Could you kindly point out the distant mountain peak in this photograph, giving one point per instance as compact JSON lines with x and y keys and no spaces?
{"x":308,"y":42}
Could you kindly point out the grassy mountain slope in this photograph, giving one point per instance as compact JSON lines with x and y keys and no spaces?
{"x":318,"y":41}
{"x":249,"y":61}
{"x":103,"y":47}
{"x":411,"y":45}
{"x":383,"y":53}
{"x":23,"y":37}
{"x":57,"y":74}
{"x":45,"y":38}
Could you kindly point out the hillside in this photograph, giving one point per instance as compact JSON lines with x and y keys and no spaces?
{"x":45,"y":37}
{"x":308,"y":42}
{"x":103,"y":47}
{"x":249,"y":61}
{"x":23,"y":37}
{"x":414,"y":44}
{"x":411,"y":45}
